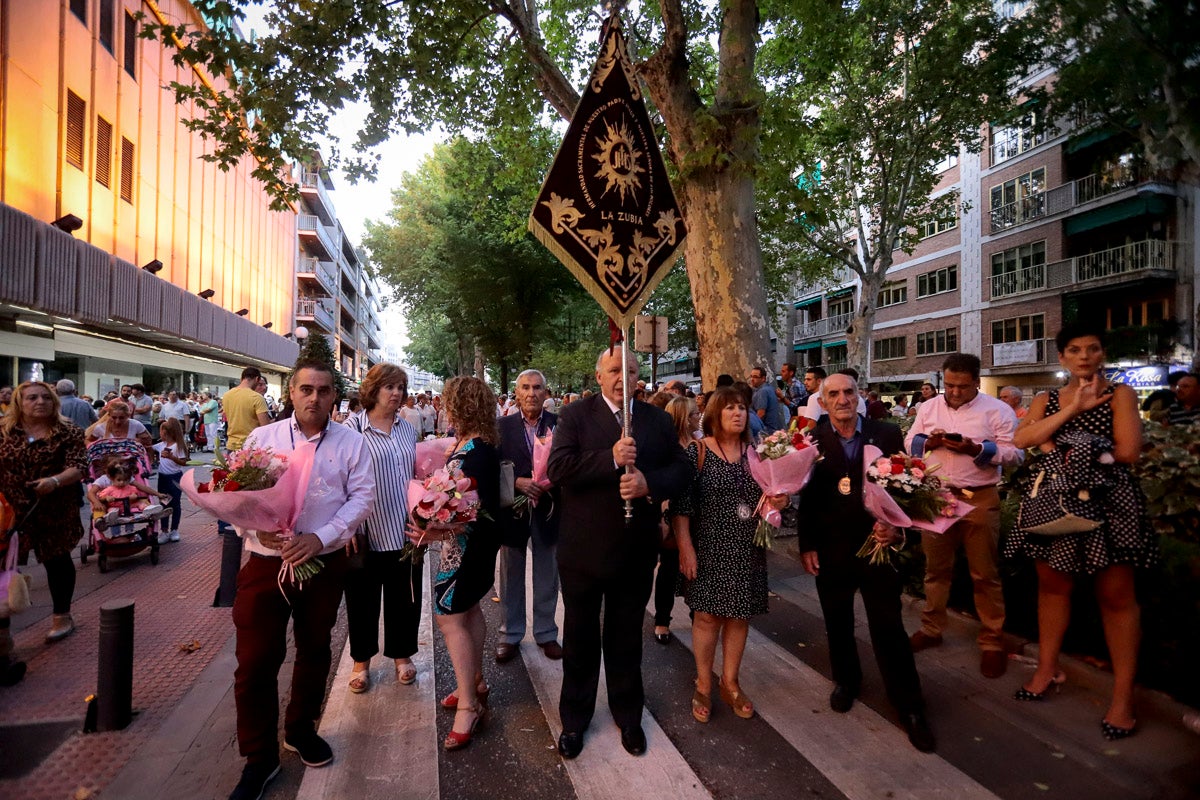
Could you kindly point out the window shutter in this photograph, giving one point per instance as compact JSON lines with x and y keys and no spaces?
{"x":126,"y":170}
{"x":76,"y":118}
{"x":104,"y":143}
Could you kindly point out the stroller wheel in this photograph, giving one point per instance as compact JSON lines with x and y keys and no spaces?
{"x":83,"y":554}
{"x":102,"y":563}
{"x":154,"y":555}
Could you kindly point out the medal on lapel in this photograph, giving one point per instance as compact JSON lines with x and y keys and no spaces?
{"x":844,"y":485}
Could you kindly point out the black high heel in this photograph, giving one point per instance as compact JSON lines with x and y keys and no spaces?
{"x":1055,"y":683}
{"x":1112,"y":732}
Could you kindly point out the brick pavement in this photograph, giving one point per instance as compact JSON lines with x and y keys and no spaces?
{"x":173,"y":607}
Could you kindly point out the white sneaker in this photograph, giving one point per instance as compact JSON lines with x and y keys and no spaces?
{"x":164,"y":537}
{"x":152,"y":510}
{"x":111,"y":517}
{"x":61,"y":626}
{"x":174,"y":536}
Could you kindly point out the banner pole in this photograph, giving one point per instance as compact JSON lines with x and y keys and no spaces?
{"x":626,"y":412}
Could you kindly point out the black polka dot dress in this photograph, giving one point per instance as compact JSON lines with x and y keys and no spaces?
{"x":731,"y":573}
{"x":1126,"y":537}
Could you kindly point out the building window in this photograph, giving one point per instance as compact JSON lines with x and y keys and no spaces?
{"x":936,"y":226}
{"x":1019,"y":329}
{"x":1019,"y":269}
{"x":893,"y":294}
{"x":1019,"y":200}
{"x":107,"y":21}
{"x":835,"y":357}
{"x":1026,"y":134}
{"x":79,"y":9}
{"x":945,"y":163}
{"x":76,"y":119}
{"x":931,"y":342}
{"x":104,"y":132}
{"x":938,"y":281}
{"x":894,"y":347}
{"x":842,"y":305}
{"x":127,"y":170}
{"x":129,"y":53}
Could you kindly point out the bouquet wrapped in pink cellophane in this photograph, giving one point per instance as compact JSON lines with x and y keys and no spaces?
{"x":431,"y":456}
{"x":892,"y":483}
{"x":274,"y":507}
{"x":541,"y":457}
{"x":781,"y":464}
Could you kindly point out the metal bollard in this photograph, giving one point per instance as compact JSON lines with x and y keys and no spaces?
{"x":231,"y":562}
{"x":114,"y":693}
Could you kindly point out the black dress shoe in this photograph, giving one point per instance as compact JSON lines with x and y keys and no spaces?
{"x":919,"y":732}
{"x":842,"y":698}
{"x":570,"y":744}
{"x":505,"y":652}
{"x":664,"y":638}
{"x":633,"y":740}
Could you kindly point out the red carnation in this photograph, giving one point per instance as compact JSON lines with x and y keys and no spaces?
{"x":918,"y":464}
{"x":898,"y":459}
{"x":232,"y":486}
{"x":897,"y":468}
{"x":204,"y":488}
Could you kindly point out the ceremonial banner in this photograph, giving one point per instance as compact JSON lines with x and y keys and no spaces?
{"x":606,"y":208}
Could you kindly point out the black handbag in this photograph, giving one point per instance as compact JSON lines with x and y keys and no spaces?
{"x":1068,"y":489}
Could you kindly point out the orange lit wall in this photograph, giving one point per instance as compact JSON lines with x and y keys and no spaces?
{"x":211,"y":229}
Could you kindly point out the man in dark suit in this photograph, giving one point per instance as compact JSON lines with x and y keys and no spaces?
{"x":535,"y":528}
{"x":603,"y":559}
{"x":833,"y":526}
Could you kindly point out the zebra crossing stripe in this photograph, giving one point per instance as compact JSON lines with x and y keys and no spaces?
{"x":384,"y":741}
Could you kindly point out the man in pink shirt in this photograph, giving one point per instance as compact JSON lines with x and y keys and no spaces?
{"x":969,"y":436}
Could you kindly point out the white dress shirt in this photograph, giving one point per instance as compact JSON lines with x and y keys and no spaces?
{"x":985,"y":420}
{"x":341,"y":490}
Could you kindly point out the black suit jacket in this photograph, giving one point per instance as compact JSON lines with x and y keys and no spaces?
{"x":593,"y":536}
{"x":833,"y":524}
{"x":515,"y":448}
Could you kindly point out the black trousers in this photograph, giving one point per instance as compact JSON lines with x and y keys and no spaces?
{"x":623,"y":598}
{"x":664,"y":586}
{"x":880,"y":586}
{"x":399,"y":584}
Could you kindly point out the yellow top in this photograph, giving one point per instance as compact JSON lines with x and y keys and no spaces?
{"x":242,"y":407}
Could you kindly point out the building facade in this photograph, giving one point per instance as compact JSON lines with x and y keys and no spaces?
{"x":1059,"y":221}
{"x":173,"y":272}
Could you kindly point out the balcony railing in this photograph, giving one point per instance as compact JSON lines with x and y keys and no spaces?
{"x":822,"y":327}
{"x":1065,"y":197}
{"x":326,"y":236}
{"x":316,"y":308}
{"x":312,"y":181}
{"x":324,"y":271}
{"x":1148,"y":255}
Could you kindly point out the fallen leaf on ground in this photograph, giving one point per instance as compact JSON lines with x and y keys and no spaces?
{"x":190,"y":647}
{"x":1043,"y":786}
{"x":82,"y":793}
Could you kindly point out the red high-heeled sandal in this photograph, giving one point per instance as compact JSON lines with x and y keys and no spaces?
{"x":450,"y":701}
{"x":457,"y":741}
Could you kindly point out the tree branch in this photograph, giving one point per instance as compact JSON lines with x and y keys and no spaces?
{"x":554,"y":86}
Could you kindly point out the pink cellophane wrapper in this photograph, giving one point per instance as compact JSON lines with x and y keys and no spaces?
{"x":416,"y":493}
{"x":786,"y":475}
{"x":541,"y":458}
{"x":273,"y":509}
{"x":883,"y":507}
{"x":431,"y":456}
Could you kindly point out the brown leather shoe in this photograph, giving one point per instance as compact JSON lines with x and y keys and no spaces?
{"x":993,"y":663}
{"x":552,"y":649}
{"x":505,"y":652}
{"x":923,"y":641}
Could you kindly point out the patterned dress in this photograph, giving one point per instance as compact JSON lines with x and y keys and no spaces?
{"x":54,"y":526}
{"x":467,"y":567}
{"x":1126,"y":537}
{"x":731,"y":573}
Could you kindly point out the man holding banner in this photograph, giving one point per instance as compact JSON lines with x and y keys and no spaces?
{"x":605,"y":559}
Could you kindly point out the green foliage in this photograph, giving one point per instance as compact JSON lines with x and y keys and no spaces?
{"x":1130,"y":65}
{"x":317,"y":348}
{"x":1169,"y":472}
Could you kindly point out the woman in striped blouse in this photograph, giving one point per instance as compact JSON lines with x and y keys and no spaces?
{"x":392,"y":443}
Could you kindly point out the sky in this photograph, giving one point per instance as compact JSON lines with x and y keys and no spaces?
{"x":366,"y":200}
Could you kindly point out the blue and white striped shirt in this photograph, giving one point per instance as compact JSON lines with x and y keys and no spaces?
{"x":392,"y":457}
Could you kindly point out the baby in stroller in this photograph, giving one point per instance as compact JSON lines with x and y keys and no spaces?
{"x":118,"y":496}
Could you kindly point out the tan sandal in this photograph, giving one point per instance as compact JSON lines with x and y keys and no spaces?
{"x":406,"y":673}
{"x":738,"y":701}
{"x":701,"y":706}
{"x":360,"y":680}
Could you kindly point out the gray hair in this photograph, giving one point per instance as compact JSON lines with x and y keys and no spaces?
{"x":65,"y":387}
{"x":537,"y":372}
{"x":1013,"y":390}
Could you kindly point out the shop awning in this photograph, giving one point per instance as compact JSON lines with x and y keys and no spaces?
{"x":1126,"y":209}
{"x":807,"y":346}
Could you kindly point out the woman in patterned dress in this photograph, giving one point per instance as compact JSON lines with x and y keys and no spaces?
{"x":725,"y":575}
{"x":1112,"y":552}
{"x":467,"y":566}
{"x":42,"y":458}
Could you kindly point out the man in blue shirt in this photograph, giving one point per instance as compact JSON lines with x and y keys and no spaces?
{"x":765,"y":405}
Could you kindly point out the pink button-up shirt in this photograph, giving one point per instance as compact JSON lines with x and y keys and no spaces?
{"x":986,"y":420}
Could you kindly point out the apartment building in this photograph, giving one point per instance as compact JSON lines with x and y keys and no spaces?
{"x":1059,"y":221}
{"x":335,"y":297}
{"x":124,"y":256}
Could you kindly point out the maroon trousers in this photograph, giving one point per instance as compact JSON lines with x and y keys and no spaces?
{"x":260,"y":615}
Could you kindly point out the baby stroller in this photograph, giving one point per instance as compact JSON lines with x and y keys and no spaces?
{"x":129,"y":531}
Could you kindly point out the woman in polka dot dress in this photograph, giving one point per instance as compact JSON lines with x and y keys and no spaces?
{"x":1112,"y":551}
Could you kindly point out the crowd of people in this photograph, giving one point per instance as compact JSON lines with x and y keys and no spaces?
{"x":650,"y":495}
